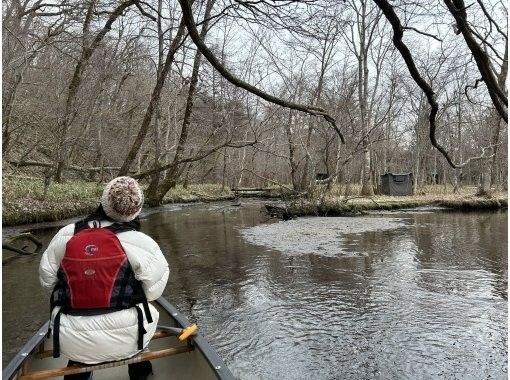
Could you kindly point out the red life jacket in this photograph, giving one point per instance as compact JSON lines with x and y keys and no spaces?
{"x":95,"y":277}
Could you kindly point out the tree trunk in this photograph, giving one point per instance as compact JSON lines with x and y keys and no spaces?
{"x":241,"y":163}
{"x":151,"y":192}
{"x":499,"y":120}
{"x":155,"y":96}
{"x":70,"y":110}
{"x":292,"y":150}
{"x":458,"y":171}
{"x":485,"y":179}
{"x":172,"y":175}
{"x":224,"y":171}
{"x":366,"y":179}
{"x":303,"y":185}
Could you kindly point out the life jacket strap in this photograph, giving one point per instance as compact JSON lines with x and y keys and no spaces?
{"x":141,"y":329}
{"x":147,"y":310}
{"x":56,"y":335}
{"x":80,"y":225}
{"x":117,"y":228}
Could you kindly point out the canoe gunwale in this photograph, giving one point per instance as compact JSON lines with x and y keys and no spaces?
{"x":10,"y":370}
{"x":212,"y":358}
{"x":214,"y":361}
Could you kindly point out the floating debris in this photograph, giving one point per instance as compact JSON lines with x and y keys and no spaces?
{"x":323,"y":236}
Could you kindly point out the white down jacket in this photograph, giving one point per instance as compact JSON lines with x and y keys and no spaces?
{"x":112,"y":336}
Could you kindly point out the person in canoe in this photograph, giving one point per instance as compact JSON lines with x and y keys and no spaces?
{"x":103,"y":271}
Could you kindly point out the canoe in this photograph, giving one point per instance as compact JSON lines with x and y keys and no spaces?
{"x":192,"y":358}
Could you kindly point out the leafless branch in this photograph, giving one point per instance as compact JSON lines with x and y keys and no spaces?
{"x":398,"y":33}
{"x":194,"y":158}
{"x":497,"y":94}
{"x":268,"y":180}
{"x":209,"y":55}
{"x":491,"y":20}
{"x":473,"y":86}
{"x":144,"y":12}
{"x":423,"y":33}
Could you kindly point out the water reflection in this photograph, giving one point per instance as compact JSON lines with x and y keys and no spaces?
{"x":424,"y":300}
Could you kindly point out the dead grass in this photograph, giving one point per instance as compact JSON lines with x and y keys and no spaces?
{"x":327,"y":204}
{"x":23,"y":198}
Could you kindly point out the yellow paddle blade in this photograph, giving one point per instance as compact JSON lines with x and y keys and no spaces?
{"x":190,"y":330}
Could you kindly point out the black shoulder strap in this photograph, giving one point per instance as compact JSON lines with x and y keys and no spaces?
{"x":117,"y":228}
{"x":80,"y":225}
{"x":56,"y":335}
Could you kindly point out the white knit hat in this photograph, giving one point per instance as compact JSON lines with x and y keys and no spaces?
{"x":122,"y":199}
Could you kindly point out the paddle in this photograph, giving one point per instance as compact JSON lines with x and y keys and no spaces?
{"x":182,"y":334}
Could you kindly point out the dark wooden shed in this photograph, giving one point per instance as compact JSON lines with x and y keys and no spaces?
{"x":397,"y":184}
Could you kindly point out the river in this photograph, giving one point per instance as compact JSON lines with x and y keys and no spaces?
{"x":392,"y":295}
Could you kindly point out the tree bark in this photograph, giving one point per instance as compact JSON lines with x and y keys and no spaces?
{"x":155,"y":178}
{"x":497,"y":127}
{"x":366,"y":181}
{"x":292,"y":150}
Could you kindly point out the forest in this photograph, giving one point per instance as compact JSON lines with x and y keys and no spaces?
{"x":253,"y":93}
{"x":326,"y":180}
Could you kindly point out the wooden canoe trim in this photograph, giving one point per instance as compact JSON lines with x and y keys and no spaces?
{"x":161,"y":334}
{"x":144,"y":356}
{"x":24,"y":368}
{"x":48,"y":353}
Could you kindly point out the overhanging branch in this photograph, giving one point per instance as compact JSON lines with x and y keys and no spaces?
{"x":398,"y":33}
{"x":187,"y":15}
{"x":198,"y":157}
{"x":497,"y":94}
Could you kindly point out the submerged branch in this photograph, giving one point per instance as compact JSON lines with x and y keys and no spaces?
{"x":9,"y":244}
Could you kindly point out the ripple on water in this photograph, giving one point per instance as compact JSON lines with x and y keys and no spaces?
{"x":424,"y":302}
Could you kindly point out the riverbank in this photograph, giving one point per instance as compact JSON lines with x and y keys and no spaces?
{"x":348,"y":206}
{"x":24,"y":201}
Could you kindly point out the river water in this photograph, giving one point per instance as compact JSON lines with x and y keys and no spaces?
{"x":400,"y":295}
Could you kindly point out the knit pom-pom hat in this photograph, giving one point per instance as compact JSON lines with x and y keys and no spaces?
{"x":122,"y":199}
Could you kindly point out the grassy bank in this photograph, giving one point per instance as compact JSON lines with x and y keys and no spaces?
{"x":23,"y":199}
{"x":332,"y":205}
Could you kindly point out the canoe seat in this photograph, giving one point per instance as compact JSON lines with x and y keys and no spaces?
{"x":141,"y":357}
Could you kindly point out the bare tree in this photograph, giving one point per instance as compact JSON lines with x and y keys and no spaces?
{"x":89,"y":45}
{"x":172,"y":173}
{"x":497,"y":94}
{"x":154,"y":99}
{"x":209,"y":55}
{"x":361,"y":37}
